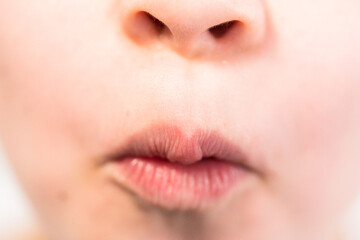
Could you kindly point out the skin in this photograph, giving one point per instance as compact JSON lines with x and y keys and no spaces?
{"x":79,"y":77}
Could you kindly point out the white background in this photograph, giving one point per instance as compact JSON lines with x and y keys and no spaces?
{"x":16,"y":213}
{"x":15,"y":210}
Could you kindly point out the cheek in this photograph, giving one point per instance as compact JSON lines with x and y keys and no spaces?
{"x":313,"y":132}
{"x":314,"y":146}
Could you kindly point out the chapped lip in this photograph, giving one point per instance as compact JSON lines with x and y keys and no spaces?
{"x":173,"y":144}
{"x":177,"y":169}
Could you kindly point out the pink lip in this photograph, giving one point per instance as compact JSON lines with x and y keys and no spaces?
{"x":174,"y":169}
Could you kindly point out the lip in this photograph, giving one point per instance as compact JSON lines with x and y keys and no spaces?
{"x":176,"y":169}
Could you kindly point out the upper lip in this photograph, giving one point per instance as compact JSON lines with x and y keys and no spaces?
{"x":184,"y":147}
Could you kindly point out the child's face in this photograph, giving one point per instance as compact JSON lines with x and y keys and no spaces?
{"x":79,"y":78}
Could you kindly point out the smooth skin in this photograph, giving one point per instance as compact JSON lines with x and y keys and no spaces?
{"x":78,"y":77}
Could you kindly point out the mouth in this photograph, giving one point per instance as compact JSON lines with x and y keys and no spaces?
{"x":173,"y":169}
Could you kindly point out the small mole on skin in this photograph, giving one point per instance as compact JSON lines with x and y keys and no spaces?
{"x":62,"y":197}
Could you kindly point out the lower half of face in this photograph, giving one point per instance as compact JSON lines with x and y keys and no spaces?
{"x":76,"y":88}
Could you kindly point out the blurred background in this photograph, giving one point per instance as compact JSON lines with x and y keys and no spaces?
{"x":16,"y":214}
{"x":15,"y":210}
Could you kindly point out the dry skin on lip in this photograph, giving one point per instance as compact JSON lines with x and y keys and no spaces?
{"x":178,"y":186}
{"x":178,"y":169}
{"x":79,"y":79}
{"x":177,"y":144}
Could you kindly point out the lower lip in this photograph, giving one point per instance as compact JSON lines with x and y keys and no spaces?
{"x":178,"y":186}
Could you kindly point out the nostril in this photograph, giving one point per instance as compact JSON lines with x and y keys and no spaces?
{"x":158,"y":25}
{"x":147,"y":24}
{"x":219,"y":31}
{"x":143,"y":27}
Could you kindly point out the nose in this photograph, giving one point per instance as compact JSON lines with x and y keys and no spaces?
{"x":204,"y":28}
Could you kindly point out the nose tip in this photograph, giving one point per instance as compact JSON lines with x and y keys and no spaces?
{"x":197,"y":28}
